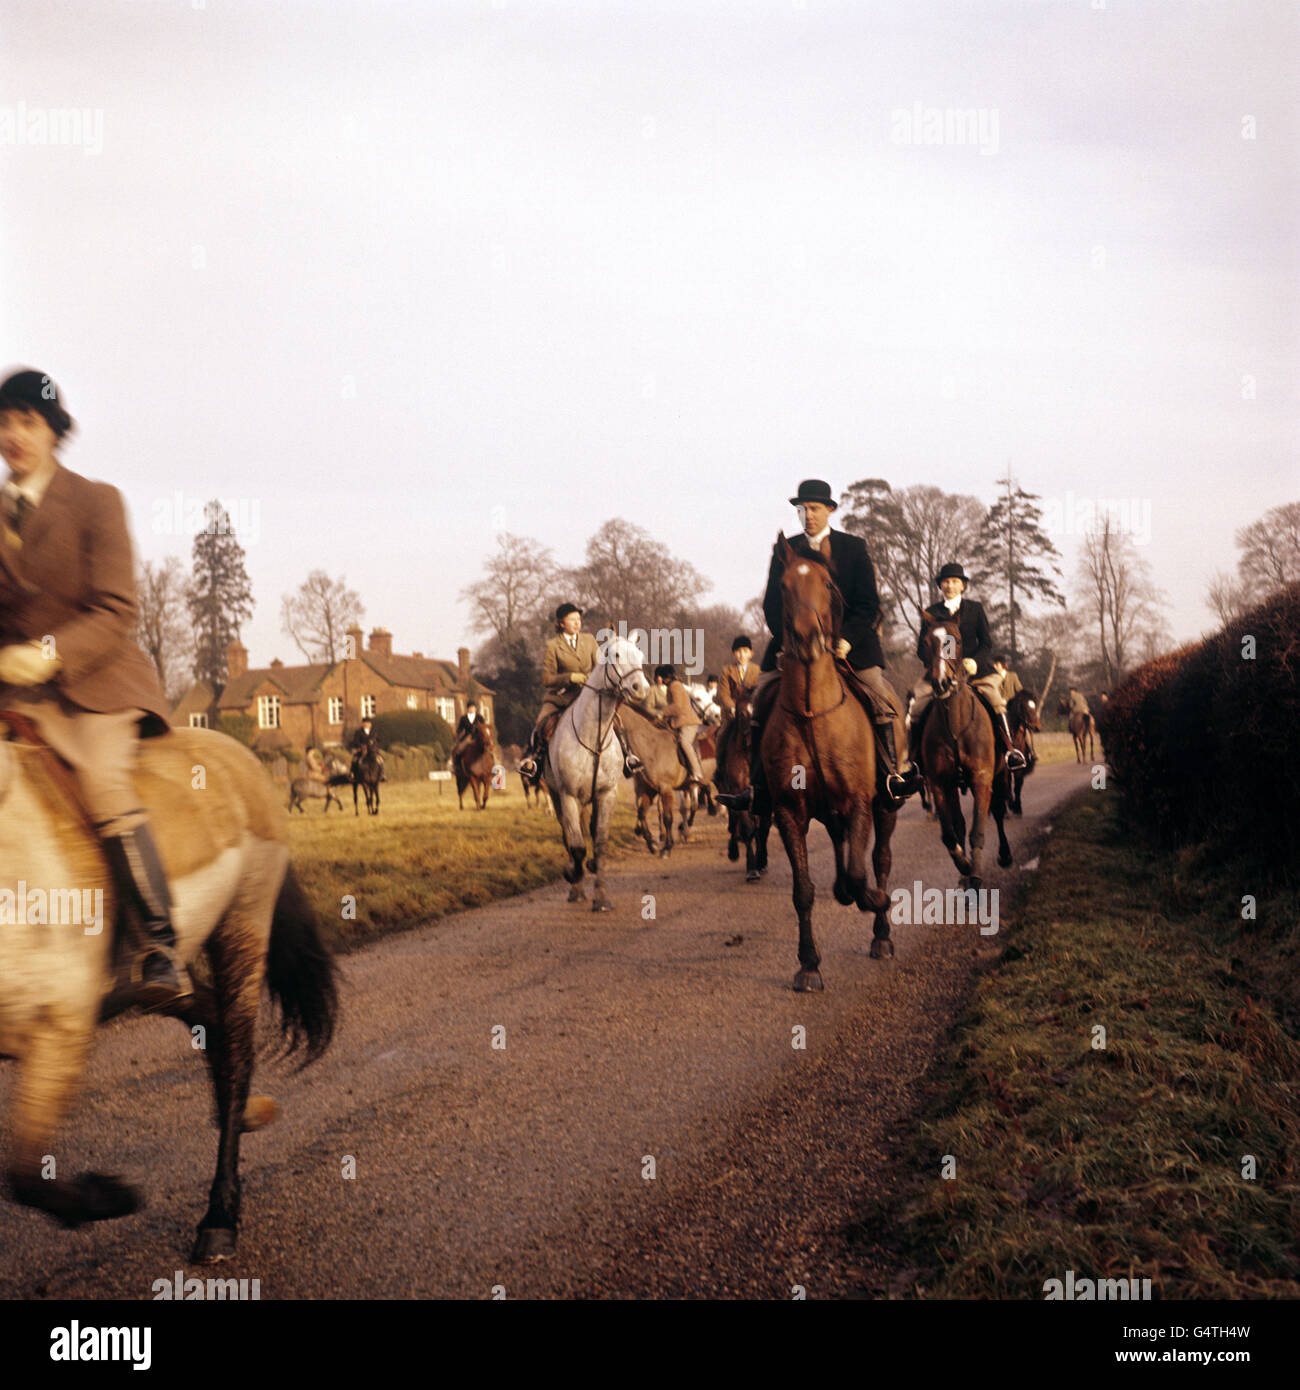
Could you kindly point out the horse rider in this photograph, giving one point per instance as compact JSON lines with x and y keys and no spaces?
{"x":972,"y":623}
{"x":681,"y":718}
{"x":570,"y":657}
{"x":656,"y":701}
{"x":1076,"y":702}
{"x":739,"y":681}
{"x":858,"y":645}
{"x":1011,"y":687}
{"x":69,"y":661}
{"x":364,"y":740}
{"x":465,"y":727}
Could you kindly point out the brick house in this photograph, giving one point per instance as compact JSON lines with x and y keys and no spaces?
{"x":317,"y":705}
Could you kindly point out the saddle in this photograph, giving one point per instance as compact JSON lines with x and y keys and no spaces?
{"x":21,"y":728}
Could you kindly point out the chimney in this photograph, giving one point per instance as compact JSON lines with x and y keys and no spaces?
{"x":462,"y":660}
{"x":381,"y":642}
{"x":236,"y":659}
{"x":357,"y":638}
{"x":277,"y":664}
{"x":419,"y":656}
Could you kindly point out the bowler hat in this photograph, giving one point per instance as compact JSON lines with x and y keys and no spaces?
{"x":741,"y":641}
{"x":31,"y":390}
{"x":814,"y":490}
{"x":565,"y":609}
{"x":951,"y":571}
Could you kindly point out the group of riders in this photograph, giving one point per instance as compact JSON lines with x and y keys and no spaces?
{"x":70,"y":666}
{"x":572,"y":654}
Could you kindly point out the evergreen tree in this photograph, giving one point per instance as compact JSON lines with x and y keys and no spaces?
{"x":1014,"y":558}
{"x":220,"y":597}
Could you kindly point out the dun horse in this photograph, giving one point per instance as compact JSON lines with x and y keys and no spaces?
{"x":473,"y":766}
{"x":659,"y":778}
{"x":958,"y":752}
{"x":584,"y":763}
{"x":1083,"y":729}
{"x":819,"y":753}
{"x":235,"y":901}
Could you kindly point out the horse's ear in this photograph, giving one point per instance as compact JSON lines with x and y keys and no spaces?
{"x":783,"y":549}
{"x":928,"y":619}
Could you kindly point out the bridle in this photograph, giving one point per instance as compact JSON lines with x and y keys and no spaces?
{"x":619,"y":694}
{"x":790,"y":609}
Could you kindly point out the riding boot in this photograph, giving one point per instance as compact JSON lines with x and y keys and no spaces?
{"x":1015,"y":758}
{"x":631,"y":763}
{"x":529,"y":764}
{"x":898,"y":786}
{"x":163,"y":984}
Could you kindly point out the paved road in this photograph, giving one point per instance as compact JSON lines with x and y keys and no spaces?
{"x":527,"y":1167}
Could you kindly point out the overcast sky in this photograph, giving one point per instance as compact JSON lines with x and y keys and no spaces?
{"x":396,"y":276}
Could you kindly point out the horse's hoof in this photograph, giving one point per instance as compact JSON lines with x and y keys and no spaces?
{"x":753,"y":876}
{"x":843,"y":895}
{"x":882,"y":948}
{"x":973,"y":882}
{"x":733,"y":852}
{"x":808,"y":982}
{"x":602,"y":905}
{"x":1005,"y":861}
{"x":259,"y":1112}
{"x":100,"y":1197}
{"x":576,"y":895}
{"x":215,"y":1243}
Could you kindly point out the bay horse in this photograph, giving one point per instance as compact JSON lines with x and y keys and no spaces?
{"x":473,"y":765}
{"x":365,"y":774}
{"x":959,"y":751}
{"x":222,"y":835}
{"x":584,"y":763}
{"x":819,"y":753}
{"x":1083,"y":729}
{"x":1022,"y":720}
{"x":743,"y":827}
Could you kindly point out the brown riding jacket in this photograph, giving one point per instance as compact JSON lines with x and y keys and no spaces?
{"x":73,"y":579}
{"x":731,"y":687}
{"x":679,"y":713}
{"x":561,"y":661}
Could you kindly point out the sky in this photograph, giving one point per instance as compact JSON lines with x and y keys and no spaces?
{"x":393,"y":277}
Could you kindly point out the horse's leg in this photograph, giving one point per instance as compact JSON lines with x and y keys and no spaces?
{"x":748,"y":833}
{"x":882,"y":862}
{"x":980,"y":794}
{"x":600,"y":901}
{"x":237,"y":951}
{"x":998,"y":806}
{"x":48,"y":1073}
{"x":952,"y":824}
{"x":355,"y":784}
{"x":733,"y":836}
{"x":794,"y":837}
{"x":666,"y":808}
{"x":840,"y":831}
{"x":570,"y":813}
{"x":760,"y":847}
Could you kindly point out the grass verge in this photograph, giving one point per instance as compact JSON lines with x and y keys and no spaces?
{"x":1116,"y":1161}
{"x":421,"y":857}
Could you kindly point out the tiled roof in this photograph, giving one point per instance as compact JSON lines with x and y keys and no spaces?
{"x":299,"y":685}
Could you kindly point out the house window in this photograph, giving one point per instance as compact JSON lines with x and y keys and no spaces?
{"x":367,"y":707}
{"x":336,"y":710}
{"x":446,"y":708}
{"x":412,"y":701}
{"x":198,"y":721}
{"x":268,"y":711}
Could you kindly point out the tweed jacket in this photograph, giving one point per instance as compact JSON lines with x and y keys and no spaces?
{"x":561,"y":661}
{"x":73,"y":579}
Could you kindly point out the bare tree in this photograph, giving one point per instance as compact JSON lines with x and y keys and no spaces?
{"x":514,"y":597}
{"x":1119,"y":595}
{"x":318,"y":616}
{"x":911,"y":534}
{"x":163,"y":625}
{"x":1270,"y":549}
{"x":1226,"y":596}
{"x":630,"y":576}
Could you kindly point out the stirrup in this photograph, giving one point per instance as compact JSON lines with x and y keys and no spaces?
{"x":737,"y":801}
{"x":1015,"y":766}
{"x":166,"y":987}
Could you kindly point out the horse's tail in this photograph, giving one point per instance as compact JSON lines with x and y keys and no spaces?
{"x":301,"y":974}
